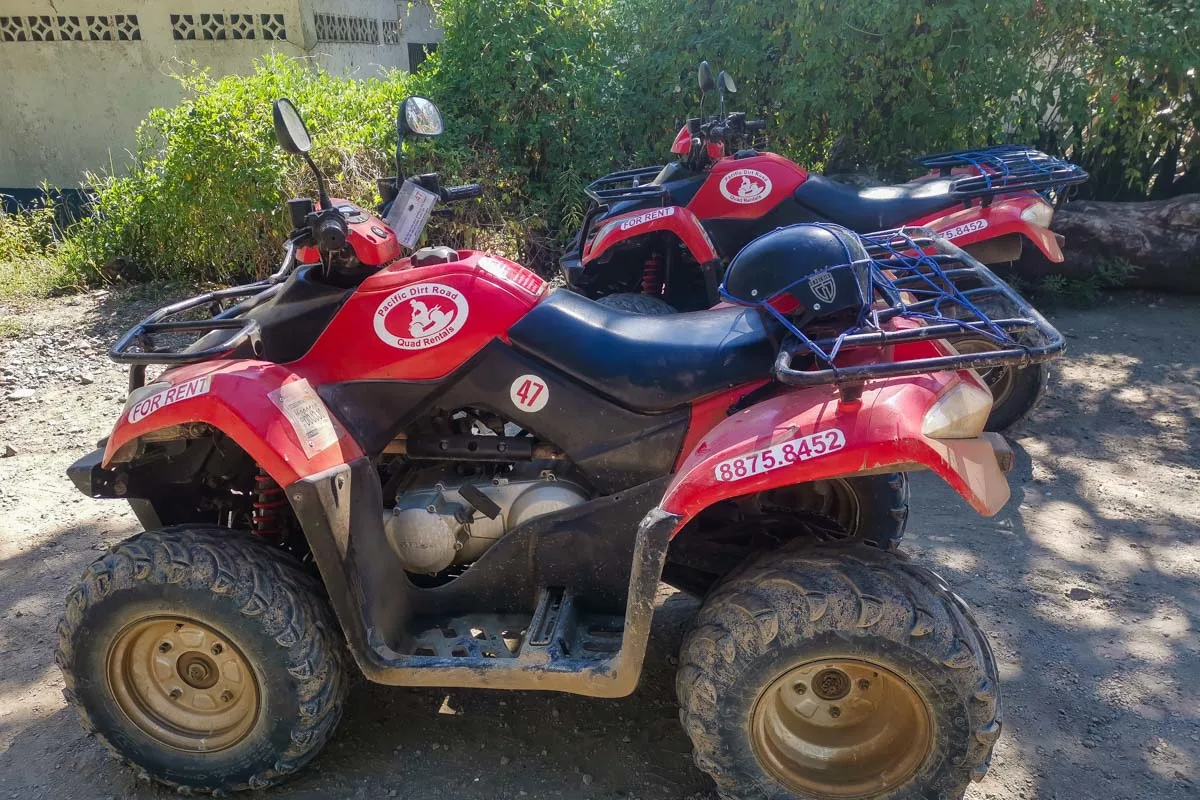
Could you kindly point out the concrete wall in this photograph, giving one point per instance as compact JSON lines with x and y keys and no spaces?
{"x":77,"y":76}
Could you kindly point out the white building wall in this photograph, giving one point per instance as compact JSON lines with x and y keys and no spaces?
{"x":78,"y":76}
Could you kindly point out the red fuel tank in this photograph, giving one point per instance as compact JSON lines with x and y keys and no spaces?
{"x":410,"y":323}
{"x":746,"y":188}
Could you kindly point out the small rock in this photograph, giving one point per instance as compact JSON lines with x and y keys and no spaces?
{"x":434,"y":746}
{"x":87,"y":378}
{"x":21,"y":394}
{"x":587,"y":779}
{"x":1079,"y":593}
{"x":8,"y":451}
{"x":503,"y":761}
{"x":391,"y":793}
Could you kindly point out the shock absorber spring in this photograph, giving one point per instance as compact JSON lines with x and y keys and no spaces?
{"x":652,"y":276}
{"x":266,"y":518}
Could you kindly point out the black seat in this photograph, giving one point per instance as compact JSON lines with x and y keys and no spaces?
{"x":646,"y":363}
{"x":878,"y":207}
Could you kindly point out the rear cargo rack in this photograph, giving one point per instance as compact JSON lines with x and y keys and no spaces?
{"x":916,"y":275}
{"x":1002,"y":169}
{"x":138,"y":348}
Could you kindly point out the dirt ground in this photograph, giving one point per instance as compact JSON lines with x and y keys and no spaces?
{"x":1086,"y":583}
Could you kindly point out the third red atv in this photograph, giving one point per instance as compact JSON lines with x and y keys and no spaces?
{"x":658,"y":239}
{"x":457,"y":476}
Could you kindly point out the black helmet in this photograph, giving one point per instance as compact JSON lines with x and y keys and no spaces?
{"x":807,"y":271}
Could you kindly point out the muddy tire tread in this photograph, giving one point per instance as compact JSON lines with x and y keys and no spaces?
{"x":270,"y":587}
{"x":714,"y":653}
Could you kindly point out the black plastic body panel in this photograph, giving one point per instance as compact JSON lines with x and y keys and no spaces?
{"x":615,"y":448}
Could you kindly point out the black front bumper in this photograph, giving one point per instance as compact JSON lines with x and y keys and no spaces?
{"x":90,"y":478}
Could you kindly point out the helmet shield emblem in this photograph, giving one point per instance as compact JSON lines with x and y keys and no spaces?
{"x":823,"y":287}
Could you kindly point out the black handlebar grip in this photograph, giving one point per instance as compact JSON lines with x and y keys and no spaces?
{"x":330,"y":233}
{"x":467,"y":191}
{"x":756,"y":125}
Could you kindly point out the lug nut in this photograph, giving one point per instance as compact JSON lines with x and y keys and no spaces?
{"x":217,"y":650}
{"x":835,"y":712}
{"x":165,"y":647}
{"x":176,"y":694}
{"x":226,"y":697}
{"x":864,"y":684}
{"x":800,"y":688}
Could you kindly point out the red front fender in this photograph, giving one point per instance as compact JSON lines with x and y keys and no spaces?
{"x":808,"y":435}
{"x":673,"y":219}
{"x":272,"y":414}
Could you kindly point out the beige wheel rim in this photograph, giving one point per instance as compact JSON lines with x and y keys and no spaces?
{"x":841,"y":728}
{"x":999,"y":380}
{"x":183,"y":684}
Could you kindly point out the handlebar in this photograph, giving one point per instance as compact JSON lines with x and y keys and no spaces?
{"x":453,"y":194}
{"x":755,"y":125}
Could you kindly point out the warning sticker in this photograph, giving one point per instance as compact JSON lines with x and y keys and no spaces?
{"x":306,"y":412}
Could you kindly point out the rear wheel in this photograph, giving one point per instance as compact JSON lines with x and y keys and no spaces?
{"x":827,"y":671}
{"x":1016,"y":391}
{"x":637,"y":304}
{"x":204,"y":657}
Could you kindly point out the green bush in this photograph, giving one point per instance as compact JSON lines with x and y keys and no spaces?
{"x":29,"y":244}
{"x":542,"y":96}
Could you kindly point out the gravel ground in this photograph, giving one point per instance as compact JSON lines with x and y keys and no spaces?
{"x":1086,"y":583}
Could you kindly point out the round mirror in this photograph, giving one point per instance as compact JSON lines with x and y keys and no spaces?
{"x":725,"y":80}
{"x":289,"y":128}
{"x":420,"y":117}
{"x":707,"y":84}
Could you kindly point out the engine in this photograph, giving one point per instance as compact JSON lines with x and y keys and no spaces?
{"x":456,"y":519}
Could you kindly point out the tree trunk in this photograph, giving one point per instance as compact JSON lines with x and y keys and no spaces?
{"x":1161,"y":237}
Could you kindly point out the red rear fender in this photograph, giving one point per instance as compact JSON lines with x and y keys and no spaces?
{"x":976,"y":224}
{"x":272,"y":414}
{"x":808,"y":435}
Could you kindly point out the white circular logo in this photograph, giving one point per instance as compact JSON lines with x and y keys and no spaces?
{"x":421,"y":315}
{"x":529,"y":393}
{"x":745,"y":186}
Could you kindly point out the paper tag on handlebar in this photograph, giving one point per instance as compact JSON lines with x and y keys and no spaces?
{"x":410,"y":212}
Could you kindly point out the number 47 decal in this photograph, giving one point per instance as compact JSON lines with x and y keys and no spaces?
{"x":529,"y":393}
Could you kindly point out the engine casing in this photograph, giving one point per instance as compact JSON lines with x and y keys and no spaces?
{"x":436,"y":527}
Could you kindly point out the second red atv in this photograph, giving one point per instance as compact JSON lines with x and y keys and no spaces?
{"x":441,"y":472}
{"x":658,"y":239}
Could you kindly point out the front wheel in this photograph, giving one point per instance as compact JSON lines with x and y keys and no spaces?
{"x":838,"y":672}
{"x":204,"y":657}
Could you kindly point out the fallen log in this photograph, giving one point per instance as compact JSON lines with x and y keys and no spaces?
{"x":1160,"y":237}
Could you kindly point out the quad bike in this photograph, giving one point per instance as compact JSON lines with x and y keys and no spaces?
{"x":656,"y":239}
{"x":440,"y":467}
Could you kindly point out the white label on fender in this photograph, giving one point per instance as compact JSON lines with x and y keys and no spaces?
{"x":746,"y":186}
{"x":964,"y":229}
{"x":160,"y":400}
{"x":420,"y":316}
{"x":781,"y":455}
{"x":649,"y":216}
{"x":307,"y":414}
{"x":529,"y":393}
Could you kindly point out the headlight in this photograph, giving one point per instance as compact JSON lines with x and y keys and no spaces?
{"x":1040,"y":214}
{"x":960,"y":413}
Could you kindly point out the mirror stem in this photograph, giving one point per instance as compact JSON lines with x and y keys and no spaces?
{"x":322,"y":189}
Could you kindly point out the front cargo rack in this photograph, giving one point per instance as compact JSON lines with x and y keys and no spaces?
{"x":916,"y":275}
{"x":629,"y":184}
{"x":1002,"y":169}
{"x":139,"y":347}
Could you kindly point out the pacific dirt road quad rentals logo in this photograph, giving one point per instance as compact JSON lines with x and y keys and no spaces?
{"x":420,"y":316}
{"x":745,"y":186}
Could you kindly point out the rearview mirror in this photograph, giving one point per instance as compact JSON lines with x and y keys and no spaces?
{"x":289,"y":128}
{"x":707,"y":84}
{"x":420,"y":117}
{"x":725,"y":81}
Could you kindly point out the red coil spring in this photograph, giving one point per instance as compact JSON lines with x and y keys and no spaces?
{"x":652,"y":277}
{"x":268,"y":500}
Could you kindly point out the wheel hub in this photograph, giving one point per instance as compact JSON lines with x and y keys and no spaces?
{"x":841,"y":728}
{"x":183,"y":684}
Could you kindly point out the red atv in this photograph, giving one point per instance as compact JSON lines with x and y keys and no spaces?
{"x":460,"y":477}
{"x":657,"y":239}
